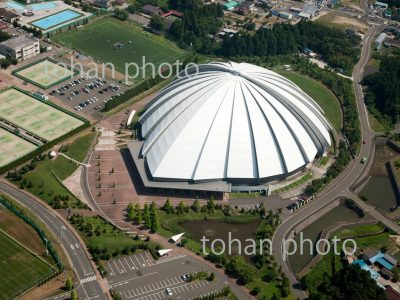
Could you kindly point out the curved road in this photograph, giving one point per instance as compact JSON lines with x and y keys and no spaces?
{"x":342,"y":184}
{"x":88,"y":286}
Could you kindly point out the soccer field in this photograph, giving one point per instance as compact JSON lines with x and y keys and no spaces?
{"x":44,"y":74}
{"x":111,"y":41}
{"x":20,"y":269}
{"x":35,"y":116}
{"x":12,"y":147}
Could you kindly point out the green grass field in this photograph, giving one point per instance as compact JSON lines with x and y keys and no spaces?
{"x":100,"y":40}
{"x":35,"y":116}
{"x":12,"y":147}
{"x":44,"y":184}
{"x":110,"y":238}
{"x":44,"y":74}
{"x":320,"y":93}
{"x":20,"y":269}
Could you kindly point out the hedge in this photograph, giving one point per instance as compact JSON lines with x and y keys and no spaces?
{"x":132,"y":92}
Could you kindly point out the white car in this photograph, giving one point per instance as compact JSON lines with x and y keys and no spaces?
{"x":169,"y":292}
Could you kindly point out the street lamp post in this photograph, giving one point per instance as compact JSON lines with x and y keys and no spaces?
{"x":47,"y":249}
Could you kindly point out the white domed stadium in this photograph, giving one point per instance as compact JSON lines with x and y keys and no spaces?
{"x":231,"y":122}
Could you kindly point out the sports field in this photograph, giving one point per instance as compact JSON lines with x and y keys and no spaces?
{"x":12,"y":147}
{"x":111,"y":41}
{"x":20,"y":269}
{"x":35,"y":116}
{"x":44,"y":74}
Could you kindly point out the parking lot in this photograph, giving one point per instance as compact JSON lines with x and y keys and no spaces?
{"x":140,"y":277}
{"x":87,"y":95}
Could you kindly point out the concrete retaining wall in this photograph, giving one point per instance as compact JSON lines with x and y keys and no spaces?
{"x":325,"y":234}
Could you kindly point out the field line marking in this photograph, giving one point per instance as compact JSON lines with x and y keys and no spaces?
{"x":26,"y":248}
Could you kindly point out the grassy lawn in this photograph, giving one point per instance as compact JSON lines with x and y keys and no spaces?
{"x":20,"y":269}
{"x":44,"y":183}
{"x":324,"y":160}
{"x":375,"y":241}
{"x":375,"y":124}
{"x":325,"y":266}
{"x":23,"y":233}
{"x":243,"y":195}
{"x":364,"y":230}
{"x":110,"y":40}
{"x":373,"y":62}
{"x":294,"y":184}
{"x":103,"y":235}
{"x":320,"y":93}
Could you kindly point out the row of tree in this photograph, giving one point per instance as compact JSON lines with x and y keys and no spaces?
{"x":148,"y":215}
{"x":383,"y":93}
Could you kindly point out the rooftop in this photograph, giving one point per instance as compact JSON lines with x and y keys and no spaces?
{"x":152,"y":9}
{"x":19,"y":41}
{"x":8,"y":14}
{"x":214,"y":186}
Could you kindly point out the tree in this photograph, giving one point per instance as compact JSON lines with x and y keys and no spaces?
{"x":181,"y":208}
{"x":184,"y":241}
{"x":131,"y":212}
{"x":74,"y":295}
{"x":154,"y":222}
{"x":68,"y":284}
{"x":133,"y":8}
{"x":240,"y":269}
{"x":146,"y":216}
{"x":211,"y":205}
{"x":362,"y":286}
{"x":157,"y":23}
{"x":211,"y":277}
{"x":167,"y":206}
{"x":121,"y":14}
{"x":396,"y":275}
{"x":196,"y":205}
{"x":285,"y":287}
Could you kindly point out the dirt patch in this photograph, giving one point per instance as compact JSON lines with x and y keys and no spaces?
{"x":361,"y":26}
{"x":352,"y":4}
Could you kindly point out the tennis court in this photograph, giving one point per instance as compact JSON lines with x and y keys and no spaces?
{"x":35,"y":116}
{"x":12,"y":147}
{"x":45,"y":73}
{"x":20,"y":269}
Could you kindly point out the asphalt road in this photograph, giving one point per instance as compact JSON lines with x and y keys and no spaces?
{"x":342,"y":184}
{"x":87,"y":287}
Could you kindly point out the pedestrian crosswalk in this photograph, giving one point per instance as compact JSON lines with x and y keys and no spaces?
{"x":88,"y":279}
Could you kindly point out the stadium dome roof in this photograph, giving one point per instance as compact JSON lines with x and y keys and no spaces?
{"x":231,"y":121}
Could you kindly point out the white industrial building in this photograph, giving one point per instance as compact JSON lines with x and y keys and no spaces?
{"x":227,"y":124}
{"x":21,"y":47}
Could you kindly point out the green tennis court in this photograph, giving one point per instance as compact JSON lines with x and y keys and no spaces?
{"x":12,"y":147}
{"x":45,"y":73}
{"x":20,"y":269}
{"x":35,"y":116}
